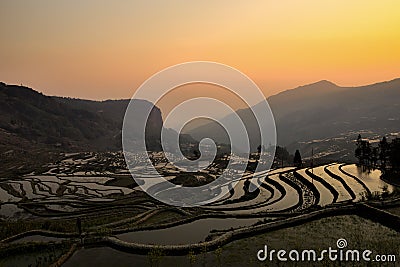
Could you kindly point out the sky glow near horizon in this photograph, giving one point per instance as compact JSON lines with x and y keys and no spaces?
{"x":106,"y":49}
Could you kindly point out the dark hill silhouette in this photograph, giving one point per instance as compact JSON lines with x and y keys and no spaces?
{"x":66,"y":122}
{"x":337,"y":110}
{"x":320,"y":111}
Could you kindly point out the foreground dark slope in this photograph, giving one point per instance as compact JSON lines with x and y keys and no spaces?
{"x":326,"y":111}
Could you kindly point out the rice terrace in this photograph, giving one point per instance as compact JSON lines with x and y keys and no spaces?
{"x":87,"y":204}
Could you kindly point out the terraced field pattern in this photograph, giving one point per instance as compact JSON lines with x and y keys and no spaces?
{"x":115,"y":212}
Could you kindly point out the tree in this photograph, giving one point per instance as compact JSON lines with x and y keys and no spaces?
{"x":281,"y":154}
{"x":358,"y":151}
{"x":387,"y":152}
{"x":383,"y":152}
{"x":374,"y":156}
{"x":394,"y":155}
{"x":297,"y":159}
{"x":363,"y":151}
{"x":366,"y":153}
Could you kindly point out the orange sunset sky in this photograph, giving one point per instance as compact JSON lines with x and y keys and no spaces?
{"x":105,"y":49}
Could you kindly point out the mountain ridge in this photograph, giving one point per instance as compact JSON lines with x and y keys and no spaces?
{"x":310,"y":112}
{"x":66,"y":122}
{"x":315,"y":111}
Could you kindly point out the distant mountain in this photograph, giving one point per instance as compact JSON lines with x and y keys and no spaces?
{"x":323,"y":115}
{"x":114,"y":110}
{"x":71,"y":124}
